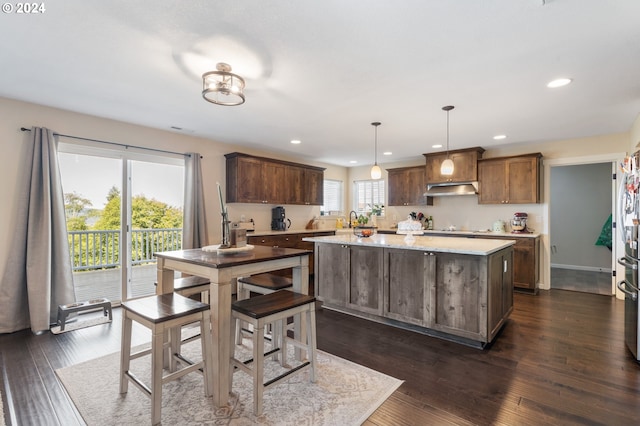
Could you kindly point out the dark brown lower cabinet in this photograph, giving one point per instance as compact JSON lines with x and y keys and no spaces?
{"x":289,"y":240}
{"x":466,"y":297}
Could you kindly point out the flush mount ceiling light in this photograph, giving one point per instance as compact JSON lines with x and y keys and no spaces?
{"x":376,"y":171}
{"x":446,"y":168}
{"x":559,"y":82}
{"x":499,"y":137}
{"x":222,"y":87}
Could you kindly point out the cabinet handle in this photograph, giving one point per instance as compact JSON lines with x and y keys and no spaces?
{"x":506,"y":266}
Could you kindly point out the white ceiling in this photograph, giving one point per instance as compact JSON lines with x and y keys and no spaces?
{"x":322,"y":71}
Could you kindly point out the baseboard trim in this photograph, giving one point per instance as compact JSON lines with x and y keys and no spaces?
{"x":581,"y":268}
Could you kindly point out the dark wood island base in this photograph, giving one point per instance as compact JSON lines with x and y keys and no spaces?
{"x":456,"y":289}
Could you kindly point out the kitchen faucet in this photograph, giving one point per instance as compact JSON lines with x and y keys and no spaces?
{"x":355,"y":215}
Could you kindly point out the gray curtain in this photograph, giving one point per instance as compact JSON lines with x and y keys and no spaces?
{"x":194,"y":227}
{"x":38,"y":276}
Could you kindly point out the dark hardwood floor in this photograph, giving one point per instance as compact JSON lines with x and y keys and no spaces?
{"x":560,"y":360}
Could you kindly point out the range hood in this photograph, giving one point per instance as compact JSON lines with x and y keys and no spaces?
{"x":450,"y":189}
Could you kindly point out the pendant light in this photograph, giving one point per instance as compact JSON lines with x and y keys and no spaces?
{"x":446,"y":169}
{"x":376,"y":171}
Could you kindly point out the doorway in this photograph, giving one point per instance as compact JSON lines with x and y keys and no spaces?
{"x":582,"y":202}
{"x":121,"y":208}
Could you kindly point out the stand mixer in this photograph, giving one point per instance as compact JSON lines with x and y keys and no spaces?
{"x":519,"y":223}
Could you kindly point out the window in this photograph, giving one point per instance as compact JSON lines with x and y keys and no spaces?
{"x":332,"y":197}
{"x":369,"y":194}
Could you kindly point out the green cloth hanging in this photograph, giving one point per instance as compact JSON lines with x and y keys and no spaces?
{"x":605,"y":235}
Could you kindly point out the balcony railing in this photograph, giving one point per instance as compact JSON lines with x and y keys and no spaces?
{"x":91,"y":250}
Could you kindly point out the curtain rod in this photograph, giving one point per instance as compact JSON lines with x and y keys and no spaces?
{"x":24,"y":129}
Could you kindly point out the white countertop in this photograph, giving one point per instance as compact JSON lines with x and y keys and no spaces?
{"x":485,"y":232}
{"x":475,"y":246}
{"x":478,"y":234}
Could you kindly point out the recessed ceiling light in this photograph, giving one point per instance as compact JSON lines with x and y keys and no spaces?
{"x":559,"y":82}
{"x":296,"y":142}
{"x":352,"y":162}
{"x":387,"y":153}
{"x":436,"y":146}
{"x":500,"y":137}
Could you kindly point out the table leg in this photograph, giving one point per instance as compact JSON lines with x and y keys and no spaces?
{"x":165,"y":278}
{"x":165,"y":286}
{"x":220,"y":299}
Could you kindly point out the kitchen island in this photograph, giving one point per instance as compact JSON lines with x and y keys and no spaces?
{"x":457,"y":289}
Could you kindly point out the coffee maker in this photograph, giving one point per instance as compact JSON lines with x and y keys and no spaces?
{"x":278,"y":220}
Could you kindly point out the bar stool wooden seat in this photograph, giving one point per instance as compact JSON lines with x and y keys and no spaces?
{"x":189,"y":286}
{"x":275,"y":308}
{"x":161,"y":314}
{"x":264,"y":283}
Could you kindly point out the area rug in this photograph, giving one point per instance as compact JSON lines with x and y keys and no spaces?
{"x":2,"y":422}
{"x":344,"y":393}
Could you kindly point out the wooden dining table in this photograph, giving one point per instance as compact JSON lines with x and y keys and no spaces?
{"x":222,"y":268}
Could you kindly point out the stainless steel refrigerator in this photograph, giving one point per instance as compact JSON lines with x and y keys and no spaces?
{"x":628,"y":223}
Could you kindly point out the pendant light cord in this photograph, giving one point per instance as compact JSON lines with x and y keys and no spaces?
{"x":448,"y":108}
{"x":375,"y":153}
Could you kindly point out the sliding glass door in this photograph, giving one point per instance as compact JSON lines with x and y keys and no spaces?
{"x":121,"y":208}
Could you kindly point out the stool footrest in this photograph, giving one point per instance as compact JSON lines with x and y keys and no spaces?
{"x":287,"y":373}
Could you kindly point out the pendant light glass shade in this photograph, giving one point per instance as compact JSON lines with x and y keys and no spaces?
{"x":446,"y":168}
{"x":376,"y":171}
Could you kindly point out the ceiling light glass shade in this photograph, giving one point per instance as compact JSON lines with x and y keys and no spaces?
{"x":446,"y":168}
{"x":559,"y":82}
{"x":376,"y":172}
{"x":222,"y":87}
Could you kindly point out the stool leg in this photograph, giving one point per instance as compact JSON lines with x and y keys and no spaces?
{"x":311,"y":340}
{"x":241,"y":294}
{"x":258,"y":367}
{"x":205,"y":340}
{"x":157,"y":351}
{"x":279,"y":339}
{"x":175,"y":340}
{"x":125,"y":351}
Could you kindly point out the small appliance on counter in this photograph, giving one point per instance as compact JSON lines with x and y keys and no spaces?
{"x":499,"y":226}
{"x":519,"y":223}
{"x":279,"y":222}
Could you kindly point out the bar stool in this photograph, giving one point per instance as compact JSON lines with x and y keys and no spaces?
{"x":275,"y":308}
{"x":265,"y":283}
{"x":161,"y":314}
